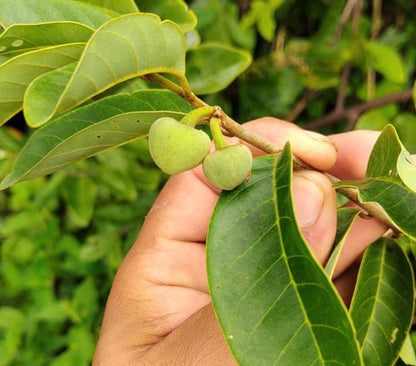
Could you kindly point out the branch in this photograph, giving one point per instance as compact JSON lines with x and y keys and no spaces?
{"x":357,"y":110}
{"x":235,"y":129}
{"x":301,"y":105}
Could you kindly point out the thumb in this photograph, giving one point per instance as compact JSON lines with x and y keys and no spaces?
{"x":316,"y":211}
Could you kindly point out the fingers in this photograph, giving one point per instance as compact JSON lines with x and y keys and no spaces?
{"x":183,"y":209}
{"x":353,"y":152}
{"x":312,"y":148}
{"x":354,"y":149}
{"x":315,"y":207}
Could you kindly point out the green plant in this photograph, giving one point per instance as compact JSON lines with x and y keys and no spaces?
{"x":91,"y":76}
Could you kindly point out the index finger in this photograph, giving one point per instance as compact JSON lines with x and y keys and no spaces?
{"x":354,"y":149}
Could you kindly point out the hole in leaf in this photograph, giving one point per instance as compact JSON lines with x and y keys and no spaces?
{"x":17,"y":43}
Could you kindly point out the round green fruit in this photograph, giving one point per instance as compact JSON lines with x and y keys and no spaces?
{"x":176,"y":147}
{"x":228,"y":167}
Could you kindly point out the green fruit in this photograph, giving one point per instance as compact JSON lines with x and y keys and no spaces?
{"x":228,"y":167}
{"x":176,"y":147}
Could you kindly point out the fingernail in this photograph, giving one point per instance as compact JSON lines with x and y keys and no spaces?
{"x":308,"y":199}
{"x":316,"y":136}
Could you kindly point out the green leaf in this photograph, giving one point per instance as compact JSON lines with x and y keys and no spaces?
{"x":93,"y":128}
{"x":407,"y":353}
{"x":17,"y":73}
{"x":406,"y":167}
{"x":345,"y":219}
{"x":43,"y":94}
{"x":374,"y":119}
{"x":12,"y":325}
{"x":390,"y":159}
{"x":397,"y":201}
{"x":143,"y":45}
{"x":80,"y":193}
{"x":175,"y":10}
{"x":405,"y":124}
{"x":386,"y":61}
{"x":35,"y":11}
{"x":384,"y":156}
{"x":212,"y":67}
{"x":273,"y":300}
{"x":118,"y":6}
{"x":382,"y":305}
{"x":21,"y":38}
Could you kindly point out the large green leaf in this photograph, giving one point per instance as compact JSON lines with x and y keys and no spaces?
{"x":382,"y":305}
{"x":345,"y":219}
{"x":17,"y":73}
{"x":44,"y":92}
{"x":35,"y":11}
{"x":93,"y":128}
{"x":123,"y":48}
{"x":212,"y":67}
{"x":175,"y":10}
{"x":273,"y":300}
{"x":21,"y":38}
{"x":118,"y":6}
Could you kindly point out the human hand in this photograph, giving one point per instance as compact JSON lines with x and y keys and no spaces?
{"x":159,"y":312}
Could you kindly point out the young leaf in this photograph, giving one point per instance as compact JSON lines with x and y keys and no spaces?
{"x":35,"y":11}
{"x":345,"y":219}
{"x":212,"y":67}
{"x":175,"y":10}
{"x":93,"y":128}
{"x":20,"y":38}
{"x":406,"y":167}
{"x":384,"y":156}
{"x":17,"y":73}
{"x":120,"y":7}
{"x":143,"y":45}
{"x":382,"y":305}
{"x":44,"y":92}
{"x":273,"y":300}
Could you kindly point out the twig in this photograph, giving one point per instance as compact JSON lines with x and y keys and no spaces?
{"x":358,"y":109}
{"x":235,"y":129}
{"x":346,"y":14}
{"x":340,"y":104}
{"x":301,"y":104}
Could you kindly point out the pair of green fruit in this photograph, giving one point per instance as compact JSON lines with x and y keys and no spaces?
{"x":176,"y":147}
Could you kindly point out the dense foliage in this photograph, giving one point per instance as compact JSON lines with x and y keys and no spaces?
{"x":328,"y":65}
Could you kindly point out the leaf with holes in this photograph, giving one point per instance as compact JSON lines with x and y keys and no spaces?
{"x":35,"y":11}
{"x":96,"y":127}
{"x":382,"y":305}
{"x":273,"y":300}
{"x":17,"y":73}
{"x":20,"y":38}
